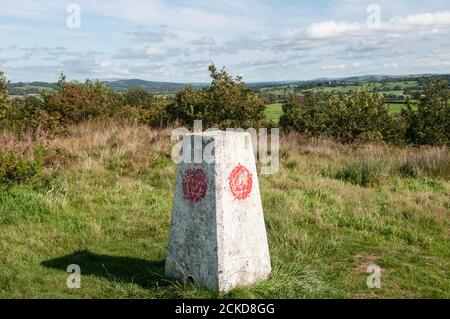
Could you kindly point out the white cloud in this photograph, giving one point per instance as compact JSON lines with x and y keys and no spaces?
{"x":329,"y":29}
{"x":105,"y":64}
{"x":424,"y":19}
{"x":205,"y":40}
{"x":180,"y":16}
{"x":392,"y":65}
{"x":435,"y":59}
{"x":290,"y":33}
{"x":144,"y":35}
{"x":333,"y":67}
{"x":155,"y":51}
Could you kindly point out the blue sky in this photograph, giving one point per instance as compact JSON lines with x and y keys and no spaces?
{"x":260,"y":40}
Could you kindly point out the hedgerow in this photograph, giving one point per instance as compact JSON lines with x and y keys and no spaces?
{"x":359,"y":116}
{"x":229,"y":103}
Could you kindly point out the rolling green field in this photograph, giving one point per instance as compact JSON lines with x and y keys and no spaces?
{"x":395,"y":107}
{"x":387,"y":88}
{"x":331,"y":211}
{"x":274,"y":111}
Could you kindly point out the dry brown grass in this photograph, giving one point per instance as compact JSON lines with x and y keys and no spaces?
{"x":136,"y":148}
{"x":95,"y":143}
{"x":383,"y":159}
{"x":320,"y":146}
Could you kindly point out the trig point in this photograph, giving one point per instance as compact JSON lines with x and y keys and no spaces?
{"x":218,"y":237}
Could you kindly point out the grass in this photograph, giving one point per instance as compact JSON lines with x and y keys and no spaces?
{"x":398,"y":107}
{"x":274,"y":112}
{"x":108,"y":210}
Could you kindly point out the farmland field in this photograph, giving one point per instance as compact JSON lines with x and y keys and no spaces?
{"x":331,"y":211}
{"x":274,"y":111}
{"x":391,"y":87}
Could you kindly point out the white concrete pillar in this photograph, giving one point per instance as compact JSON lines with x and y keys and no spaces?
{"x":218,"y":236}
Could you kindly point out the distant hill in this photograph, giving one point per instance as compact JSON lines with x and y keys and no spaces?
{"x":23,"y":88}
{"x":153,"y":86}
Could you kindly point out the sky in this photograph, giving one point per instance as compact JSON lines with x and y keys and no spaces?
{"x":260,"y":40}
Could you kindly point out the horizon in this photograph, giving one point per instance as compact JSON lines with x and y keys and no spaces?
{"x":175,"y":41}
{"x":253,"y":82}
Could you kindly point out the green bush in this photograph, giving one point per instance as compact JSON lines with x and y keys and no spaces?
{"x":5,"y":105}
{"x":76,"y":102}
{"x":347,"y":117}
{"x":430,"y":122}
{"x":28,"y":114}
{"x":19,"y":168}
{"x":144,"y":108}
{"x":226,"y":103}
{"x":139,"y":97}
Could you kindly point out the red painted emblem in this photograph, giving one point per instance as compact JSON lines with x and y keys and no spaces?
{"x":241,"y":182}
{"x":194,"y":185}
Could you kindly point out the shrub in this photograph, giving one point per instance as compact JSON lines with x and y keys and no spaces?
{"x":139,"y":97}
{"x":226,"y":103}
{"x":305,"y":115}
{"x":357,"y":116}
{"x":144,"y":108}
{"x":23,"y":156}
{"x":29,"y":114}
{"x":430,"y":122}
{"x":20,"y":168}
{"x":5,"y":105}
{"x":75,"y":102}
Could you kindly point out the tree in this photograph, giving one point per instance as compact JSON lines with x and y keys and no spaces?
{"x":5,"y":103}
{"x":143,"y":107}
{"x":226,"y":103}
{"x":75,"y":102}
{"x":139,"y":97}
{"x":27,"y":114}
{"x":357,"y":116}
{"x":61,"y":82}
{"x":430,"y":122}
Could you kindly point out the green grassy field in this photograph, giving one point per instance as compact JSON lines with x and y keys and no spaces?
{"x":395,"y":107}
{"x":387,"y":88}
{"x":330,"y":211}
{"x":274,"y":111}
{"x":395,"y":88}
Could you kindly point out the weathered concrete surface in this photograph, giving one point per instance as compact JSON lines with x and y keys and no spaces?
{"x":218,"y":237}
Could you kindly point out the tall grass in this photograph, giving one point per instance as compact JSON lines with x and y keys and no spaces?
{"x":367,"y":164}
{"x":21,"y":157}
{"x":364,"y":169}
{"x":430,"y":162}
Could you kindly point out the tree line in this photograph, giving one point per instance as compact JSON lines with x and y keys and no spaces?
{"x":229,"y":102}
{"x":363,"y":116}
